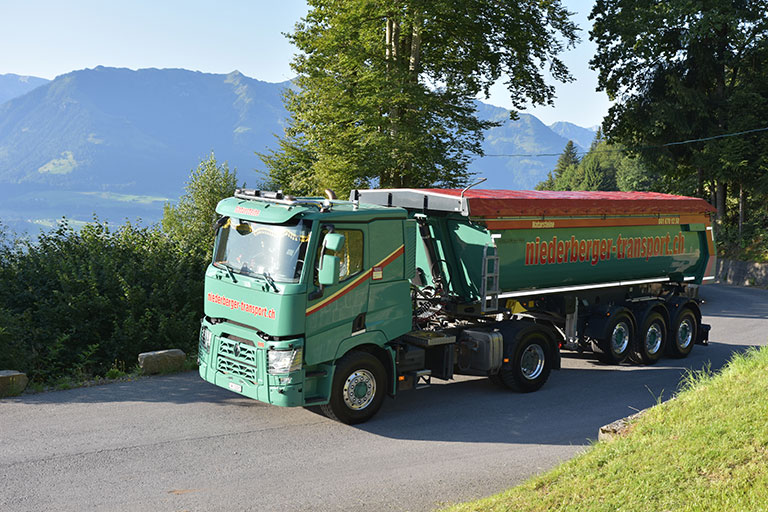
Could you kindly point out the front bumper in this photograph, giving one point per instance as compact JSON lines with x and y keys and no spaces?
{"x":237,"y":360}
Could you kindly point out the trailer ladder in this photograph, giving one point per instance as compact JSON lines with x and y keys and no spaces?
{"x":489,"y":284}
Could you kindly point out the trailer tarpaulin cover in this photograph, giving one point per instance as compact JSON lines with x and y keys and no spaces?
{"x":511,"y":203}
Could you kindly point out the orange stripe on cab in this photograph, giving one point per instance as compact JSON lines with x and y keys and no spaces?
{"x":355,"y":282}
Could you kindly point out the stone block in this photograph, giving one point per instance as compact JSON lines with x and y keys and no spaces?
{"x":162,"y":361}
{"x":12,"y":383}
{"x":618,"y":428}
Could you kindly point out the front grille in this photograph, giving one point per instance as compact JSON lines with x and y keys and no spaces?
{"x":238,"y":351}
{"x":230,"y":367}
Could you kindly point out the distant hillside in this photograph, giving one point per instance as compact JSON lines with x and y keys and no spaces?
{"x":12,"y":86}
{"x":582,"y":137}
{"x":525,"y":136}
{"x":134,"y":132}
{"x":120,"y":143}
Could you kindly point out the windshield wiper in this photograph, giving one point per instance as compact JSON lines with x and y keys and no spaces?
{"x":228,"y":269}
{"x":270,"y":280}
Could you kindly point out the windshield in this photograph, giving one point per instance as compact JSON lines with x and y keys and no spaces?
{"x":264,"y":250}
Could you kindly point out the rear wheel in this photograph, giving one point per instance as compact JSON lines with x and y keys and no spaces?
{"x":615,"y":346}
{"x":529,"y":367}
{"x":359,"y":385}
{"x":649,"y":345}
{"x":684,"y":330}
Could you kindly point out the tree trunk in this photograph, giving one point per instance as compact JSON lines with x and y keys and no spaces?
{"x":415,"y":60}
{"x":388,"y":44}
{"x":721,"y":192}
{"x":700,"y":186}
{"x":741,"y":209}
{"x":389,"y":177}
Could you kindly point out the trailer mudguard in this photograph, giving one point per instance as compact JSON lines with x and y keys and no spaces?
{"x":642,"y":310}
{"x":515,"y":330}
{"x":600,"y":318}
{"x":678,"y":304}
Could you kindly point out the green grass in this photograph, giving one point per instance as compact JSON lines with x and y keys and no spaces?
{"x":705,"y":450}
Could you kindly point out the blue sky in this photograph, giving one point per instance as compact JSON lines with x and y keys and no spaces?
{"x":47,"y":38}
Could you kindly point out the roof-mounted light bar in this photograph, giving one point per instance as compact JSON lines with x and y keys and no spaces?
{"x":279,"y":198}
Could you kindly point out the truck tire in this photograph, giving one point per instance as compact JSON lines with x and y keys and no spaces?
{"x":615,"y":345}
{"x":529,"y":367}
{"x":683,"y":333}
{"x":650,"y":340}
{"x":359,"y":386}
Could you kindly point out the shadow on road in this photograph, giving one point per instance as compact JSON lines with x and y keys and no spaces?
{"x":570,"y":408}
{"x":567,"y":411}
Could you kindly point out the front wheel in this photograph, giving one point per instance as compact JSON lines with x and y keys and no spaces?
{"x":359,"y":385}
{"x":529,"y":367}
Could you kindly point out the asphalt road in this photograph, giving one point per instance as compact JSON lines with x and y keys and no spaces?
{"x":177,"y":443}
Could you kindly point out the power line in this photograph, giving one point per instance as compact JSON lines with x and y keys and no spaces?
{"x":689,"y":141}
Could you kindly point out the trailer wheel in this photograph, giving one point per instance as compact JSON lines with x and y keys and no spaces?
{"x":359,"y":385}
{"x":650,"y":342}
{"x":529,"y":367}
{"x":615,"y":346}
{"x":684,"y":330}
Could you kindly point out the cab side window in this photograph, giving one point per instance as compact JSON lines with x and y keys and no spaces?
{"x":350,"y":255}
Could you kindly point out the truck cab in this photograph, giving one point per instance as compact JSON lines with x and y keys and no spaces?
{"x":301,"y":289}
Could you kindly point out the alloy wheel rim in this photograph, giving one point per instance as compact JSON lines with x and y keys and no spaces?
{"x":359,"y":389}
{"x":653,"y":338}
{"x":620,"y":338}
{"x":684,"y":333}
{"x":532,"y":362}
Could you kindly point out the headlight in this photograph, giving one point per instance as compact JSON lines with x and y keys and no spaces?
{"x":205,"y":338}
{"x":284,"y":361}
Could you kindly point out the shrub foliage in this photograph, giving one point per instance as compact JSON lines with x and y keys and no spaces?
{"x":76,"y":302}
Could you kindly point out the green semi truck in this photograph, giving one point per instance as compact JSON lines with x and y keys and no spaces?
{"x":337,"y":303}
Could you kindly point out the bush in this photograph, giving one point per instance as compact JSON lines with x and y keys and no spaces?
{"x":76,"y":301}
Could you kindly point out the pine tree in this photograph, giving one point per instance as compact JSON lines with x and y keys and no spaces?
{"x":570,"y":156}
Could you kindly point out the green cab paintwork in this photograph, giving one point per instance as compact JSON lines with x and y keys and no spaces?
{"x":366,"y":309}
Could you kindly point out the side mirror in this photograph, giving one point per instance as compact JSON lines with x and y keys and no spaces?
{"x":328,"y":275}
{"x":333,"y":242}
{"x":220,"y":223}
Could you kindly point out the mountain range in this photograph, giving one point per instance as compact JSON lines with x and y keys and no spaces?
{"x":12,"y":85}
{"x":120,"y":142}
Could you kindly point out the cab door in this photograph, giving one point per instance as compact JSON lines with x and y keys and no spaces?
{"x":340,"y":310}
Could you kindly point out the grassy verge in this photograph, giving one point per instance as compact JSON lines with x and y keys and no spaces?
{"x":117,"y":373}
{"x":706,"y":450}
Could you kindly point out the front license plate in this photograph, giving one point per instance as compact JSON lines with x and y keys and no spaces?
{"x":235,"y":387}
